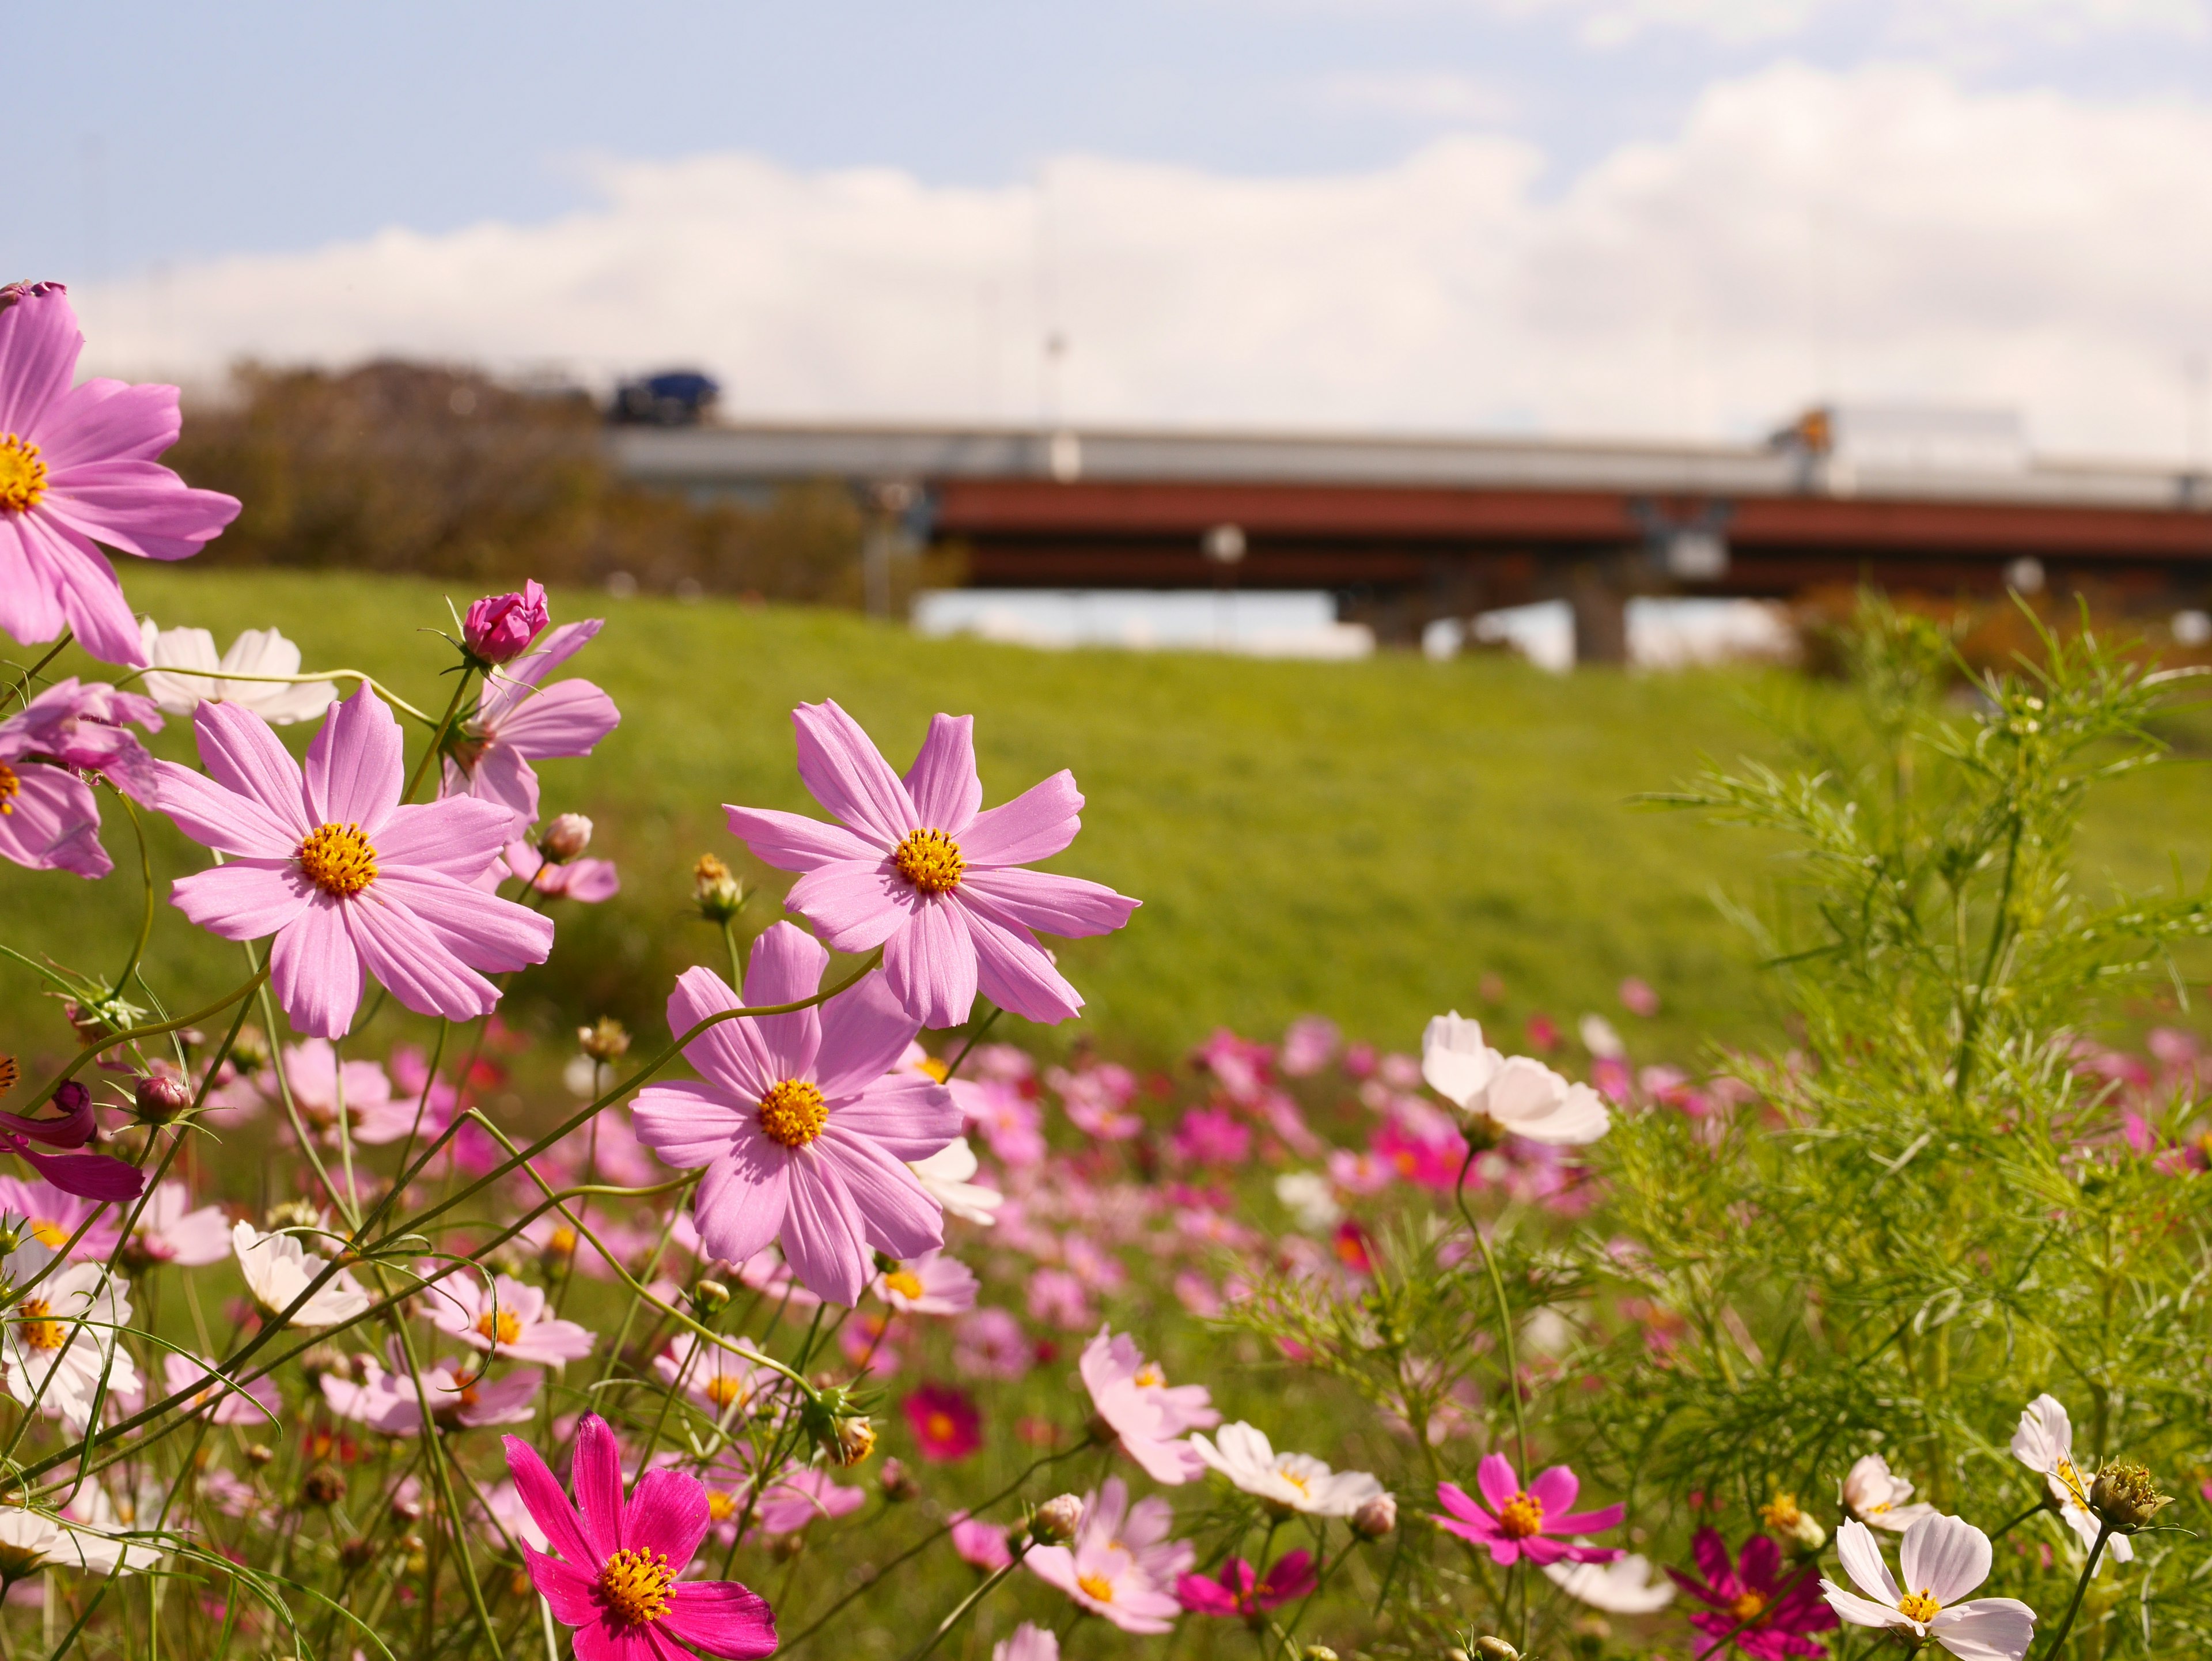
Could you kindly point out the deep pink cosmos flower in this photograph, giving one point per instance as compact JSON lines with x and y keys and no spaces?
{"x":1767,"y":1611}
{"x":499,"y":628}
{"x":49,"y":819}
{"x":345,"y":877}
{"x":803,"y":1127}
{"x":1242,"y":1593}
{"x":77,"y":468}
{"x":613,"y":1573}
{"x":520,"y":720}
{"x":1525,"y":1518}
{"x":945,"y":1423}
{"x":913,"y":867}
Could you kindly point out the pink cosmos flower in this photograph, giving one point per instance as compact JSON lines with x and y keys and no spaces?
{"x":1240,"y":1065}
{"x":945,"y":1423}
{"x":1120,"y":1564}
{"x":802,"y":1127}
{"x":980,"y":1545}
{"x":257,"y":1402}
{"x":1638,"y":998}
{"x":77,"y":468}
{"x":800,"y":1495}
{"x":387,"y":1399}
{"x":508,"y":1319}
{"x":1008,"y":1120}
{"x":1526,"y":1518}
{"x":520,"y":720}
{"x":989,"y":1343}
{"x":344,"y":876}
{"x":1764,"y":1611}
{"x":1060,"y":1298}
{"x":54,"y":1215}
{"x":933,"y":1284}
{"x":1030,"y":1642}
{"x":82,"y":724}
{"x":49,"y":817}
{"x":614,"y":1572}
{"x":587,"y":880}
{"x":168,"y":1231}
{"x":1150,"y":1416}
{"x":499,"y":628}
{"x":913,"y":867}
{"x":1097,"y":1100}
{"x":1245,"y":1595}
{"x":711,"y":1376}
{"x":1211,"y":1136}
{"x":1309,"y":1045}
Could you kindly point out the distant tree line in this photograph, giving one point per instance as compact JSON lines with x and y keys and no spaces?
{"x":444,"y":471}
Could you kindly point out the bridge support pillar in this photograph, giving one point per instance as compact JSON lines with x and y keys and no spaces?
{"x":1599,"y":600}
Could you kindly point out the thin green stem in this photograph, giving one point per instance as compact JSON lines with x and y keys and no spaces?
{"x":23,"y":681}
{"x":2058,"y":1638}
{"x":960,"y":1611}
{"x":146,"y":921}
{"x":438,"y":738}
{"x":1504,"y":1313}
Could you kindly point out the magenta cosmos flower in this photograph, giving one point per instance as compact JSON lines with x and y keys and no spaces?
{"x":613,"y":1573}
{"x":343,"y":875}
{"x":803,"y":1127}
{"x":519,"y":720}
{"x":1526,"y":1518}
{"x":1750,"y":1601}
{"x":945,"y":1425}
{"x":76,"y":469}
{"x":913,"y":867}
{"x":499,"y":628}
{"x":1241,"y":1591}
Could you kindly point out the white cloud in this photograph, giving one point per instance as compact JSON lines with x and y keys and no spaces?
{"x":1879,"y":234}
{"x":1983,"y":28}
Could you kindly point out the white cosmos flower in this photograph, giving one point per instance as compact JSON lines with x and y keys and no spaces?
{"x":1942,"y":1559}
{"x":255,"y":652}
{"x":1456,"y":1063}
{"x":59,"y":1342}
{"x":1521,"y":1095}
{"x":1289,"y":1481}
{"x":944,"y":1174}
{"x":31,"y":1541}
{"x":2045,"y":1444}
{"x":277,"y":1269}
{"x":1877,"y":1498}
{"x":1625,"y":1586}
{"x":1310,"y":1198}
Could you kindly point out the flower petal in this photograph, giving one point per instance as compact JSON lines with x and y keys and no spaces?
{"x":898,"y":1215}
{"x":479,"y":930}
{"x":666,"y":1517}
{"x":730,"y":1052}
{"x":687,"y":1125}
{"x":1555,"y":1489}
{"x":1946,"y":1557}
{"x":943,"y":783}
{"x":243,"y":900}
{"x":786,"y":967}
{"x":930,"y":965}
{"x":1035,"y":825}
{"x":356,"y":764}
{"x":908,"y":1115}
{"x":822,"y":1237}
{"x":792,"y":841}
{"x":743,"y":1202}
{"x":855,"y":905}
{"x":314,"y":970}
{"x":1013,"y":971}
{"x":219,"y":818}
{"x":597,"y":1478}
{"x":569,"y":1590}
{"x":721,"y":1617}
{"x":1066,"y":906}
{"x":1861,"y":1560}
{"x":564,"y":720}
{"x":1985,"y":1629}
{"x":541,"y":1496}
{"x":865,"y":1031}
{"x":38,"y":345}
{"x":460,"y":837}
{"x":848,"y":776}
{"x":1496,"y":1478}
{"x":242,"y":754}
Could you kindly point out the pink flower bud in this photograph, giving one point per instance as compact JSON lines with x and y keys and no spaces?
{"x":1056,"y":1521}
{"x":161,"y":1099}
{"x":499,"y":628}
{"x":1374,"y":1517}
{"x":569,"y":836}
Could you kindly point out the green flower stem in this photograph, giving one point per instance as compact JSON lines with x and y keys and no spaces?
{"x":2081,"y":1586}
{"x":145,"y":923}
{"x":960,"y":1611}
{"x":23,"y":681}
{"x":359,"y":676}
{"x":153,"y":1029}
{"x":1504,"y":1315}
{"x":438,"y":737}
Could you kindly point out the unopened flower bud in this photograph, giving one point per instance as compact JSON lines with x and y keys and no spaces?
{"x":499,"y":628}
{"x":718,"y":895}
{"x":1788,"y":1523}
{"x":259,"y":1453}
{"x":856,"y":1440}
{"x":898,"y":1482}
{"x":785,"y":1547}
{"x":325,"y":1485}
{"x":1319,"y":1653}
{"x":605,"y":1039}
{"x":70,"y":1097}
{"x":569,"y":834}
{"x":1496,"y":1649}
{"x":406,"y":1508}
{"x":160,"y":1099}
{"x":709,"y":1297}
{"x":250,"y":1050}
{"x":357,"y":1553}
{"x":2125,"y":1498}
{"x":1375,"y":1518}
{"x":1056,"y":1519}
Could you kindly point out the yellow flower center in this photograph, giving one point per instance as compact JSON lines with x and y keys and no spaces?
{"x":1148,"y":1376}
{"x":936,"y":1069}
{"x":793,"y":1113}
{"x":724,"y":1388}
{"x":1919,"y":1606}
{"x":929,"y":860}
{"x":1748,"y":1607}
{"x":636,"y":1586}
{"x":10,"y":787}
{"x":1782,"y":1512}
{"x":502,"y":1326}
{"x":337,"y":858}
{"x":1097,"y":1587}
{"x":39,"y":1328}
{"x":562,"y":1242}
{"x":49,"y":1234}
{"x":1522,"y":1516}
{"x":2070,"y":1479}
{"x":720,"y":1507}
{"x":940,"y":1427}
{"x":905,"y":1282}
{"x":23,"y":475}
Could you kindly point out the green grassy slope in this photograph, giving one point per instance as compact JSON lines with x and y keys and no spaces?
{"x":1365,"y":840}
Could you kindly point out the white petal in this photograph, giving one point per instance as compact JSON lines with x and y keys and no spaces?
{"x":1862,"y":1561}
{"x":1986,"y":1629}
{"x":1946,"y":1557}
{"x":1860,"y":1611}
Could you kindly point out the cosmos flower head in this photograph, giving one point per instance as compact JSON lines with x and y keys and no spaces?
{"x":1286,"y":1482}
{"x":1879,"y":1498}
{"x":1942,"y":1559}
{"x":1150,"y":1418}
{"x":232,"y":677}
{"x":508,"y":1319}
{"x":520,"y":720}
{"x":278,"y":1268}
{"x":1514,"y":1522}
{"x":945,"y":1424}
{"x":1753,"y":1601}
{"x":58,"y":1342}
{"x":1119,"y":1563}
{"x":2044,"y":1442}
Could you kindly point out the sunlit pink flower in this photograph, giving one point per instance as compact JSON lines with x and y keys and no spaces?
{"x":1030,"y":1642}
{"x":49,"y":817}
{"x":1426,"y":1163}
{"x":1243,"y":1595}
{"x":1638,"y":998}
{"x":945,"y":1425}
{"x":980,"y":1545}
{"x":1120,"y":1564}
{"x":801,"y":1125}
{"x":615,"y":1570}
{"x":913,"y":867}
{"x":82,"y":724}
{"x":1097,"y":1100}
{"x":257,"y":1403}
{"x":1197,"y":1294}
{"x":1365,"y":1172}
{"x":54,"y":1216}
{"x":344,"y":876}
{"x":1150,"y":1416}
{"x":1525,"y":1520}
{"x":710,"y":1375}
{"x":800,"y":1495}
{"x":586,"y":879}
{"x":1309,"y":1045}
{"x":989,"y":1343}
{"x":77,"y":468}
{"x":1752,"y":1601}
{"x":168,"y":1231}
{"x":869,"y":1341}
{"x":1056,"y":1296}
{"x":520,"y":720}
{"x":499,"y":628}
{"x":1007,"y":1120}
{"x":508,"y":1319}
{"x":933,"y":1284}
{"x":387,"y":1399}
{"x":1212,"y":1135}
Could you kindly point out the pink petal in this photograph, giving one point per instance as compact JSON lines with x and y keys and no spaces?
{"x":459,"y":836}
{"x":1555,"y":1489}
{"x":565,"y":720}
{"x":896,"y":1214}
{"x":106,"y":420}
{"x":596,"y":1479}
{"x":1035,"y":825}
{"x":721,"y":1617}
{"x":411,"y":963}
{"x":1540,"y":1549}
{"x":243,"y":754}
{"x":848,"y":776}
{"x":908,"y":1115}
{"x":687,"y":1125}
{"x":666,"y":1516}
{"x":611,"y":1639}
{"x":314,"y":971}
{"x":865,"y":1031}
{"x":1585,"y":1522}
{"x":1495,"y":1478}
{"x":55,"y":826}
{"x":1014,"y":972}
{"x":502,"y":777}
{"x":1066,"y":906}
{"x":730,"y":1053}
{"x":547,"y":653}
{"x":355,"y":766}
{"x":30,"y":599}
{"x":930,"y":965}
{"x":139,"y":507}
{"x":482,"y":931}
{"x":219,"y":818}
{"x":943,"y":782}
{"x":547,"y":1506}
{"x":39,"y":347}
{"x":744,"y":1201}
{"x":823,"y":1236}
{"x":82,"y":583}
{"x":792,"y":841}
{"x":854,"y":905}
{"x":243,"y":900}
{"x":786,"y":967}
{"x":572,"y":1593}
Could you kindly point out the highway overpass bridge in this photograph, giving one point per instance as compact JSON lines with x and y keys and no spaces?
{"x":1407,"y":530}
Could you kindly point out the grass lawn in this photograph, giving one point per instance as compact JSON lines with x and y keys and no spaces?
{"x":1365,"y":840}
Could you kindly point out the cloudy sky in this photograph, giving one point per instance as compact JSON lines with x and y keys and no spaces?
{"x":1666,"y":218}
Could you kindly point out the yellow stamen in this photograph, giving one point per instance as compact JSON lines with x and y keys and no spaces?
{"x":724,"y":1388}
{"x":1148,"y":1376}
{"x":39,"y":1329}
{"x":23,"y":475}
{"x":49,"y":1234}
{"x":793,"y":1113}
{"x":562,"y":1242}
{"x":1097,"y":1586}
{"x":1522,"y":1516}
{"x":2070,"y":1479}
{"x":904,"y":1282}
{"x":501,"y":1327}
{"x":936,"y":1069}
{"x":10,"y":787}
{"x":1919,"y":1606}
{"x":720,"y":1507}
{"x":940,"y":1427}
{"x":1782,"y":1512}
{"x":929,"y":860}
{"x":337,"y":858}
{"x":636,"y":1586}
{"x":1748,"y":1607}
